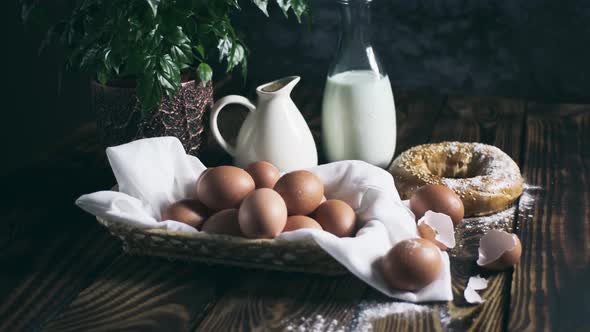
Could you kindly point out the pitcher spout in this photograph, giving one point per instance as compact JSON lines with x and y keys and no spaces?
{"x":281,"y":86}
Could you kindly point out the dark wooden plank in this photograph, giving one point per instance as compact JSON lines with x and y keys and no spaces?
{"x":50,"y":248}
{"x":549,"y":288}
{"x":33,"y":290}
{"x":277,"y":301}
{"x":416,"y":115}
{"x":494,"y":121}
{"x":141,"y":294}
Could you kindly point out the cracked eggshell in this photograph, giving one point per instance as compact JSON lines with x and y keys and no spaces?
{"x":474,"y":284}
{"x":477,"y":282}
{"x":438,"y":228}
{"x":471,"y":296}
{"x":499,"y":250}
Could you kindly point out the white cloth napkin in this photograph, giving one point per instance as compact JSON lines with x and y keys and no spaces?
{"x":155,"y":172}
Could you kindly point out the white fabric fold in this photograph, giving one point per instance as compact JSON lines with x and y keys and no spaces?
{"x":155,"y":172}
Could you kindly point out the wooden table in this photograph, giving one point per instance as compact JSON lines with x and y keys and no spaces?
{"x":61,"y":271}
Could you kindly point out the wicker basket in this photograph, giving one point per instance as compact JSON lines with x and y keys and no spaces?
{"x":304,"y":256}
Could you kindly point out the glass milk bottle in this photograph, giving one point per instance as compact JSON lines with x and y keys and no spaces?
{"x":358,"y":112}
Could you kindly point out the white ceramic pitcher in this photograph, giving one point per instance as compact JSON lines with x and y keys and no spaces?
{"x":274,"y":131}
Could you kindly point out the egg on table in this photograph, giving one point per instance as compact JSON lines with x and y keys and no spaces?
{"x":437,"y":198}
{"x":411,"y":264}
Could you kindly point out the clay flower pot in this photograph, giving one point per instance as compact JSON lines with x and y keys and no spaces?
{"x":119,"y":118}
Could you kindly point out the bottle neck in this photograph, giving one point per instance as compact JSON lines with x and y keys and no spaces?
{"x":355,"y":22}
{"x":354,"y":46}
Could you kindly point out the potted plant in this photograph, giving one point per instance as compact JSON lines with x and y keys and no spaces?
{"x":151,"y":60}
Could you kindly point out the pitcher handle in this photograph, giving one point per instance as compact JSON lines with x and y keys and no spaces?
{"x":221,"y":103}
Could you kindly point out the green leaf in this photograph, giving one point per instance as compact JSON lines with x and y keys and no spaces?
{"x":234,"y":3}
{"x":284,"y":5}
{"x":109,"y":61}
{"x":205,"y":73}
{"x":236,"y":57}
{"x":181,"y":53}
{"x":149,"y":92}
{"x":102,"y":77}
{"x":224,"y":46}
{"x":244,"y":69}
{"x":201,"y":50}
{"x":177,"y":36}
{"x":27,"y":9}
{"x":154,"y":6}
{"x":90,"y":56}
{"x":299,"y":8}
{"x":47,"y":39}
{"x":262,"y":4}
{"x":168,"y":75}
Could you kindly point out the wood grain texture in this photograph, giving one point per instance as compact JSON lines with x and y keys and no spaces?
{"x":549,"y":288}
{"x":275,"y":301}
{"x":58,"y":274}
{"x":140,"y":294}
{"x":51,"y":248}
{"x":493,"y":121}
{"x":416,"y":115}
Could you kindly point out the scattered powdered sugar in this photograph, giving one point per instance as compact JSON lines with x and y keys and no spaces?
{"x":315,"y":324}
{"x":527,"y":199}
{"x":371,"y":311}
{"x":493,"y":220}
{"x":365,"y":315}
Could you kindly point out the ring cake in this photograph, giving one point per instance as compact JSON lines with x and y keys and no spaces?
{"x":486,"y":178}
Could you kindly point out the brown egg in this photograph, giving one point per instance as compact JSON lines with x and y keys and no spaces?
{"x":411,"y":264}
{"x":223,"y":222}
{"x":187,"y":211}
{"x":499,"y":250}
{"x":263,"y":214}
{"x":224,"y":187}
{"x":336,"y":217}
{"x":437,"y":198}
{"x":301,"y":190}
{"x":265,"y":174}
{"x":201,"y":176}
{"x":298,"y":222}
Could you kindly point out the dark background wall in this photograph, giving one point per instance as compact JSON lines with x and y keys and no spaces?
{"x":536,"y":49}
{"x":532,"y":49}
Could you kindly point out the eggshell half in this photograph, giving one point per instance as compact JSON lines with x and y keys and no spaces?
{"x":499,"y":250}
{"x":438,"y":228}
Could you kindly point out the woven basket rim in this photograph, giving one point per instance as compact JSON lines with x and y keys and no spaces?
{"x":216,"y":237}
